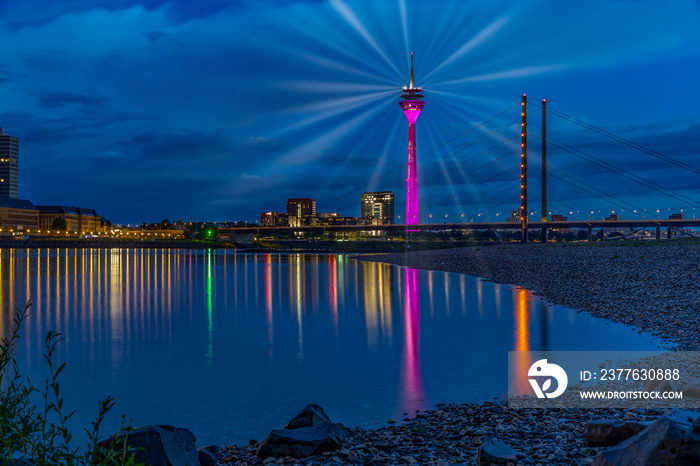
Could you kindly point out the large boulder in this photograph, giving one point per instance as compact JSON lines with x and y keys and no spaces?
{"x":670,"y":440}
{"x":311,"y":415}
{"x":209,"y":455}
{"x":163,"y":445}
{"x":494,"y":451}
{"x":606,"y":432}
{"x":304,"y":441}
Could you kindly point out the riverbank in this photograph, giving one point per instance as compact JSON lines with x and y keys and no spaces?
{"x":451,"y":435}
{"x":654,"y":287}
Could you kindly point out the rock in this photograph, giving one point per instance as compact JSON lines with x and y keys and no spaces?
{"x":209,"y":456}
{"x":162,"y":445}
{"x":670,"y":440}
{"x":303,"y":441}
{"x":606,"y":432}
{"x":409,"y":459}
{"x":696,"y":424}
{"x":390,"y":421}
{"x":493,"y":451}
{"x":311,"y":415}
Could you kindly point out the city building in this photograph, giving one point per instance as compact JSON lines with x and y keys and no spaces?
{"x":9,"y":165}
{"x":326,"y":218}
{"x":514,"y":216}
{"x":560,"y":218}
{"x":47,"y":215}
{"x":344,"y":221}
{"x":274,"y":219}
{"x":621,"y":230}
{"x":301,"y":211}
{"x":18,"y":214}
{"x":78,"y":219}
{"x":377,"y":208}
{"x":675,"y":217}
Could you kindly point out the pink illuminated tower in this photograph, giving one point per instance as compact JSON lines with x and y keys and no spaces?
{"x":411,"y":106}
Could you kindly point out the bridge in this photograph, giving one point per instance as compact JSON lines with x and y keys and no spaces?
{"x":590,"y":225}
{"x":480,"y":151}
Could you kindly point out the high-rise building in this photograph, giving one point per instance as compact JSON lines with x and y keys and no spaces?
{"x":301,"y":212}
{"x":378,"y":208}
{"x":301,"y":208}
{"x":412,"y":106}
{"x":9,"y":165}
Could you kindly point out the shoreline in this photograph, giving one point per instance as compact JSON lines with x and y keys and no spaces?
{"x":651,"y":287}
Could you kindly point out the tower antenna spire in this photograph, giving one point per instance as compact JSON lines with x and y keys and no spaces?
{"x":411,"y":85}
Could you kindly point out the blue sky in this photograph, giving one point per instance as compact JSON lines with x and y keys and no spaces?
{"x":220,"y":110}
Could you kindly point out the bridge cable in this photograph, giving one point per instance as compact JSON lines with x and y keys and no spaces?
{"x":630,"y":176}
{"x":425,"y":153}
{"x":624,"y":141}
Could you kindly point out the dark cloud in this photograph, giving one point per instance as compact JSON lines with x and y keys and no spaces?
{"x":61,"y":99}
{"x":35,"y":129}
{"x":155,"y":36}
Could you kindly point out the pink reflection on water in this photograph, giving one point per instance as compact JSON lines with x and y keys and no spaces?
{"x":412,"y":393}
{"x":334,"y":292}
{"x":268,"y":302}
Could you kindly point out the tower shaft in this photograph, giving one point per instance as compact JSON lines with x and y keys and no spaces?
{"x":412,"y":178}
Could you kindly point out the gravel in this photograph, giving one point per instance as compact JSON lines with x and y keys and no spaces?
{"x":451,"y":434}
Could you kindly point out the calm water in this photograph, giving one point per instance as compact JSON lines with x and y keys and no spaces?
{"x":231,"y":345}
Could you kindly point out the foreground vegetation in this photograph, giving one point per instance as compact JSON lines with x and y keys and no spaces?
{"x":40,"y":433}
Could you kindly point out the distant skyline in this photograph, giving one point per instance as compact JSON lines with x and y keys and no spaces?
{"x":218,"y":111}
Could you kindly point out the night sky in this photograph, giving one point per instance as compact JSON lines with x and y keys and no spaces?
{"x":219,"y":110}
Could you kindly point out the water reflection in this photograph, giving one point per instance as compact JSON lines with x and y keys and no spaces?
{"x":522,"y":336}
{"x":377,"y":302}
{"x":227,"y":343}
{"x":412,"y":396}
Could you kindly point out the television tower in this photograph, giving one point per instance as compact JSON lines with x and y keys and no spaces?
{"x":411,"y":106}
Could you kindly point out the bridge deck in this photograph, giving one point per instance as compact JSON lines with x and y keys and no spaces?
{"x":685,"y":223}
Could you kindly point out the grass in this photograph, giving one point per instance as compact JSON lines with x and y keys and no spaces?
{"x":41,"y":433}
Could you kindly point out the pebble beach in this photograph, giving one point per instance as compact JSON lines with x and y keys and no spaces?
{"x":654,"y":287}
